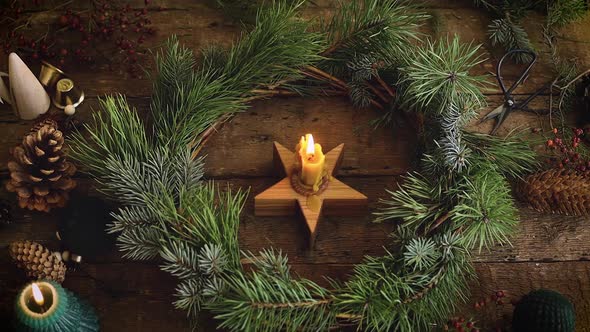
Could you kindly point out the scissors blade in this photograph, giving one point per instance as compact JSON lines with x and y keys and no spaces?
{"x":494,"y":113}
{"x":500,"y":119}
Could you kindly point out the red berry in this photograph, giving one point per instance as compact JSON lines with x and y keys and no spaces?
{"x":555,"y":130}
{"x":469,"y":325}
{"x":550,"y":142}
{"x":63,"y":52}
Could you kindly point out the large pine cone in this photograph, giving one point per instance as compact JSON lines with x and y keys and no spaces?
{"x":37,"y":261}
{"x":39,"y":172}
{"x":562,"y":191}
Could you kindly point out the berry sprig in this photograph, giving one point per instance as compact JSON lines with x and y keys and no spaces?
{"x":109,"y":32}
{"x":462,"y":324}
{"x":566,"y":150}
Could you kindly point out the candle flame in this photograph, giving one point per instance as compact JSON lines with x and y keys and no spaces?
{"x":310,"y":144}
{"x":37,"y":295}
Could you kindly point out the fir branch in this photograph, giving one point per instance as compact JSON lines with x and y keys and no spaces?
{"x":511,"y":36}
{"x":563,"y":12}
{"x":130,"y":218}
{"x":190,"y":296}
{"x":140,"y":244}
{"x":421,"y":254}
{"x":181,"y":260}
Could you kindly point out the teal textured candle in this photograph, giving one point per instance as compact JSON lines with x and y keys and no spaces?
{"x":51,"y":309}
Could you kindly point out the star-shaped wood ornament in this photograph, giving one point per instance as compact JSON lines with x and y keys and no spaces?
{"x":283,"y":200}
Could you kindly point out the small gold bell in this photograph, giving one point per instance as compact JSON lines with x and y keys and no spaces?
{"x":67,"y":94}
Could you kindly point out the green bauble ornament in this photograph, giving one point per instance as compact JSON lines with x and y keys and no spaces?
{"x":544,"y":311}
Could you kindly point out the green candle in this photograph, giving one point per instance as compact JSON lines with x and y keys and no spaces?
{"x":45,"y":306}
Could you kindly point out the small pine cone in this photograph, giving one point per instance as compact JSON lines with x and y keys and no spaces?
{"x":37,"y":261}
{"x":39,"y":172}
{"x":562,"y":191}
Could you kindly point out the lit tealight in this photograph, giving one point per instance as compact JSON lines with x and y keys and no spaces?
{"x":37,"y":295}
{"x":310,"y":144}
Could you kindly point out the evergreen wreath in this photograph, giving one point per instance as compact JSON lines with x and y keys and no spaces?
{"x":459,"y":198}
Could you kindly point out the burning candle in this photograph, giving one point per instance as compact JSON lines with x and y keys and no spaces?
{"x":46,"y":306}
{"x":312,"y":161}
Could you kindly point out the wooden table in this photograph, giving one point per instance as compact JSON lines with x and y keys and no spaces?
{"x":549,"y":251}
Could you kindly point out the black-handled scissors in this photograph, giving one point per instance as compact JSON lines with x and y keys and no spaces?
{"x":501,"y":112}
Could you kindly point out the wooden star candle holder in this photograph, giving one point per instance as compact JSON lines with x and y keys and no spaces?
{"x":333,"y":197}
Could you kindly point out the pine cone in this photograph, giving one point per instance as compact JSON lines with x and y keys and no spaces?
{"x":557,"y":191}
{"x":37,"y":261}
{"x":39,"y":172}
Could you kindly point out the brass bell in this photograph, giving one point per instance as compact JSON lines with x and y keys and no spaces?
{"x":49,"y":75}
{"x":67,"y":94}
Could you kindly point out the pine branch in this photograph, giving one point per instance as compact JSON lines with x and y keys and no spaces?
{"x":486,"y":213}
{"x":265,"y":300}
{"x":511,"y":155}
{"x":382,"y":28}
{"x":378,"y":286}
{"x":439,"y":75}
{"x":418,"y":202}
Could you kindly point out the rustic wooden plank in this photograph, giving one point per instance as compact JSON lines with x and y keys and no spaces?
{"x":243,"y":146}
{"x":136,"y":296}
{"x":346,"y":240}
{"x":572,"y":279}
{"x":202,"y":25}
{"x":184,"y":5}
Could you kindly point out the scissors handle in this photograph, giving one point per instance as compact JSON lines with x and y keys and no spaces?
{"x":523,"y":75}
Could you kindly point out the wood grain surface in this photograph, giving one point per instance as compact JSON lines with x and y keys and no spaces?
{"x":549,"y":251}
